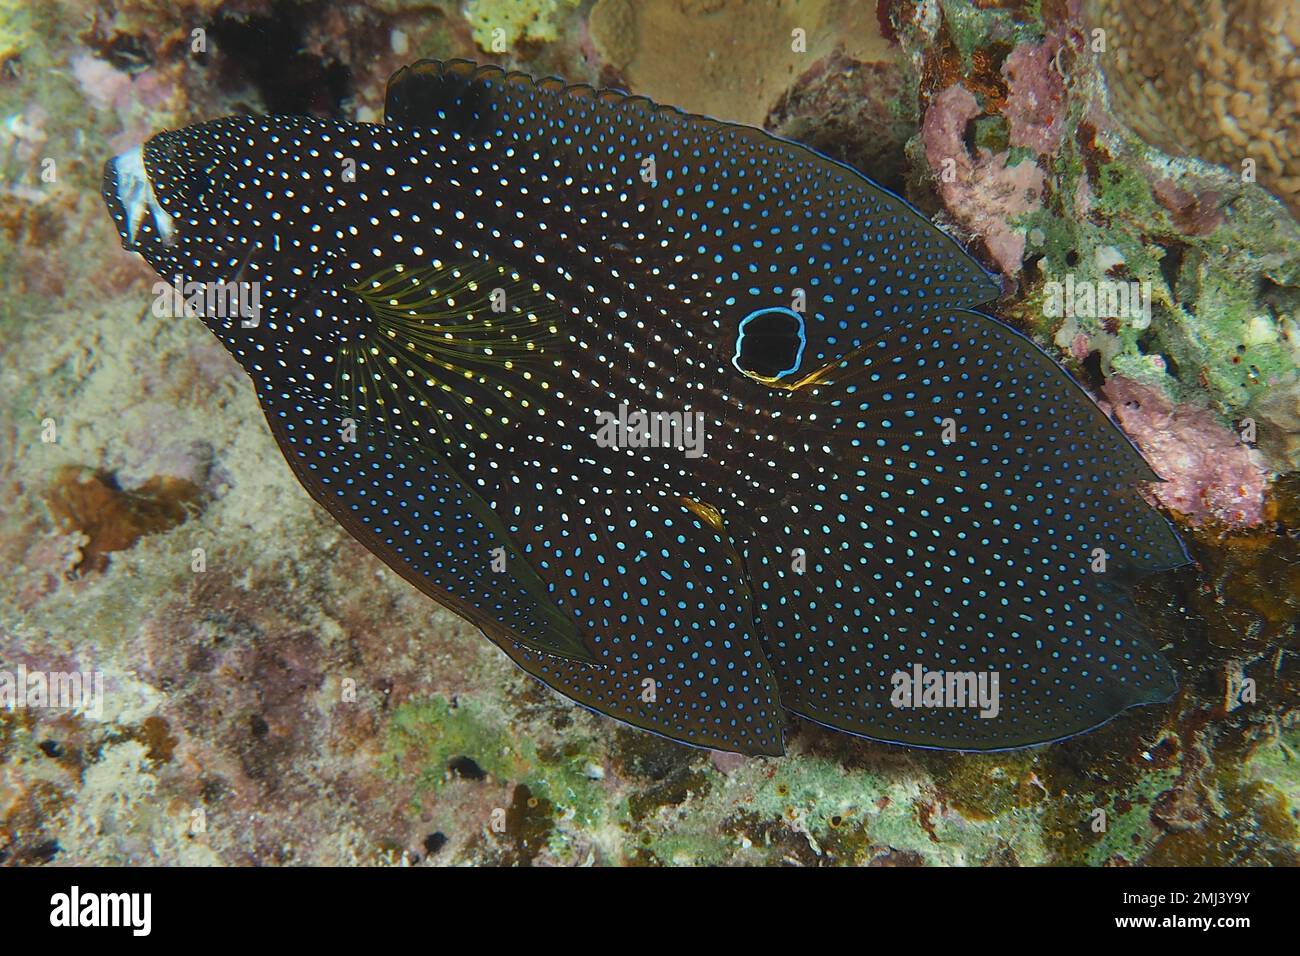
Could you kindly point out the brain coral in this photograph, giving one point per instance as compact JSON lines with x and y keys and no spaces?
{"x":1217,"y":79}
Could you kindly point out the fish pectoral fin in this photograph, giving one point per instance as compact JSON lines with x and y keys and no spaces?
{"x":960,"y":538}
{"x":438,"y":348}
{"x":433,"y":530}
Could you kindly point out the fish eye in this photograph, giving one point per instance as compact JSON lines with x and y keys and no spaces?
{"x":770,"y":344}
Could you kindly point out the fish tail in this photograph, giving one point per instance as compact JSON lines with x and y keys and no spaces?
{"x":968,"y":512}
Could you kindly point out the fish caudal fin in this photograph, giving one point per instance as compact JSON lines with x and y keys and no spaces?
{"x":954,"y":573}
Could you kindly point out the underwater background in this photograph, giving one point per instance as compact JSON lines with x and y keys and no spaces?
{"x":274,"y":694}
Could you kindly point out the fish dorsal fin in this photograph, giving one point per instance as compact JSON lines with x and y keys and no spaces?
{"x":432,"y":90}
{"x":802,"y":214}
{"x":464,"y":91}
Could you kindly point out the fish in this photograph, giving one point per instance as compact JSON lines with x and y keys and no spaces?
{"x":486,"y":326}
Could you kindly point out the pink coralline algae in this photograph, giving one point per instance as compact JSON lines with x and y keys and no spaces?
{"x":982,"y":191}
{"x":727,"y":763}
{"x":1035,"y":107}
{"x":1195,"y":213}
{"x":1080,"y":347}
{"x":132,"y":98}
{"x":1210,"y":474}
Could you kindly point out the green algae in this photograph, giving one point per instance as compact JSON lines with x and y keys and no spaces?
{"x":1209,"y":331}
{"x":1124,"y":193}
{"x":851,"y":815}
{"x":17,"y":30}
{"x":1128,"y":833}
{"x":1275,"y":764}
{"x":1115,"y":773}
{"x":973,"y":29}
{"x":495,"y":23}
{"x":425,"y":734}
{"x":991,"y":134}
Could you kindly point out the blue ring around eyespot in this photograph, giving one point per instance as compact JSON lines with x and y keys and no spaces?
{"x":740,"y":338}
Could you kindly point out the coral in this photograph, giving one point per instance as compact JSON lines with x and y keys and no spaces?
{"x":851,"y":111}
{"x":1207,"y":471}
{"x":985,"y":191}
{"x":527,"y":20}
{"x":1211,"y":78}
{"x":613,"y":30}
{"x":730,"y":60}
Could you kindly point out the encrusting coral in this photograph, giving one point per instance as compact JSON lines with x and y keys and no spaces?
{"x":1216,"y":79}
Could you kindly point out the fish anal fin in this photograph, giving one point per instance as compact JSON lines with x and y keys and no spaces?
{"x":435,"y":532}
{"x":661,"y":597}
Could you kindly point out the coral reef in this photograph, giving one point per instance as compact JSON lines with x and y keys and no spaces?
{"x":732,"y":60}
{"x":1211,"y":473}
{"x":1030,"y":163}
{"x":1211,"y":78}
{"x":273,"y":694}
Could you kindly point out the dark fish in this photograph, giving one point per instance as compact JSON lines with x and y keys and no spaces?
{"x":508,"y":272}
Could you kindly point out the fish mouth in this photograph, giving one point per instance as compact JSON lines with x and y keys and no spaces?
{"x":132,"y":202}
